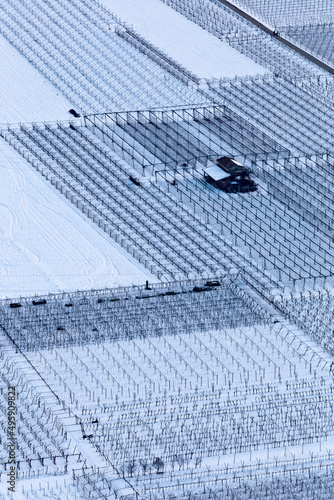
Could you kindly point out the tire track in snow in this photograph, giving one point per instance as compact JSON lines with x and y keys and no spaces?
{"x":47,"y":245}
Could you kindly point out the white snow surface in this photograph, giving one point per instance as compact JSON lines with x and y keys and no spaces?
{"x":184,"y":41}
{"x":25,"y":95}
{"x":47,"y":245}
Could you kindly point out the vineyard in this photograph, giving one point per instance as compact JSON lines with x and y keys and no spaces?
{"x":214,"y":379}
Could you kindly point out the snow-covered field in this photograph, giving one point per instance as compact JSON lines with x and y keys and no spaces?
{"x":26,"y":96}
{"x":185,"y":42}
{"x":171,"y":364}
{"x":46,"y":245}
{"x":175,"y":412}
{"x":49,"y":246}
{"x":189,"y":390}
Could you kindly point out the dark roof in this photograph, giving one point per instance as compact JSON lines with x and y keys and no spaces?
{"x":228,"y":162}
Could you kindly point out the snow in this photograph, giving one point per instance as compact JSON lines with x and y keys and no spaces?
{"x":189,"y":360}
{"x":24,"y":94}
{"x":216,"y":173}
{"x":46,"y":245}
{"x":191,"y":46}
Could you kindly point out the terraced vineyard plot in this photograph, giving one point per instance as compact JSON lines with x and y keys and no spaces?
{"x":40,"y":441}
{"x":177,"y":137}
{"x":290,"y":12}
{"x":316,"y":39}
{"x":196,"y":388}
{"x":176,"y":400}
{"x":315,"y":314}
{"x":180,"y":442}
{"x":285,"y":226}
{"x":92,"y":58}
{"x":126,"y":314}
{"x":290,"y":113}
{"x":146,"y":367}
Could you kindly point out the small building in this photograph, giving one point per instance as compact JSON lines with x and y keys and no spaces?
{"x":215,"y":173}
{"x":231,"y":165}
{"x":229,"y":176}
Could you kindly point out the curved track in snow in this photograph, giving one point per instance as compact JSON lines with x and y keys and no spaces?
{"x":46,"y":245}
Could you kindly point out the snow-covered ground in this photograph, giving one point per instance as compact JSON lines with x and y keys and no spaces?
{"x":191,"y":46}
{"x":46,"y":245}
{"x":24,"y":94}
{"x":254,"y":401}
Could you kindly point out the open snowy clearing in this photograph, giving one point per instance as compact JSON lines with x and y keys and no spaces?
{"x":184,"y":41}
{"x":24,"y":94}
{"x":48,"y":246}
